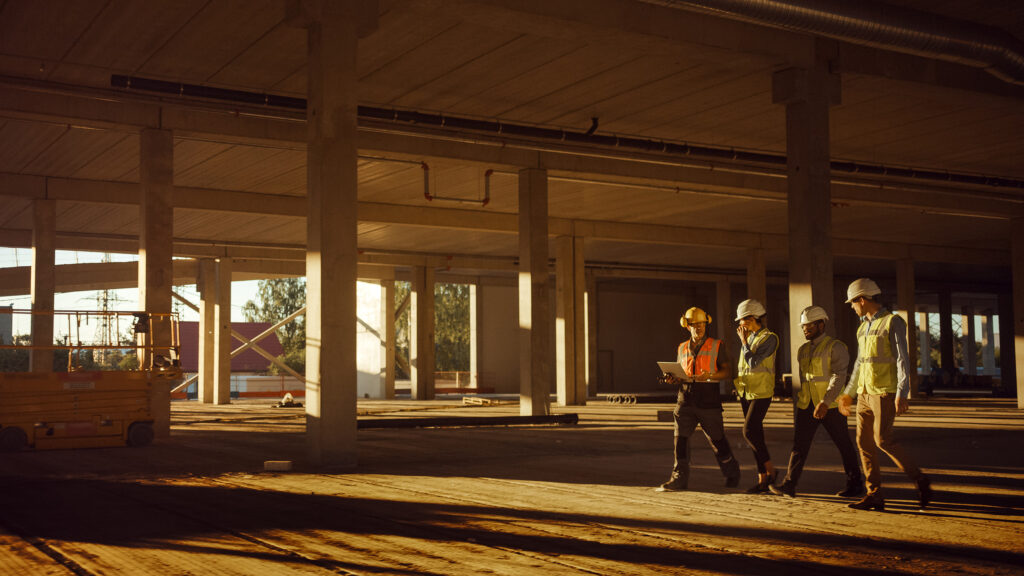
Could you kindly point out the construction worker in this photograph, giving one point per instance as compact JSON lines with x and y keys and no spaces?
{"x":817,"y":384}
{"x":705,"y":363}
{"x":755,"y":385}
{"x":881,"y":382}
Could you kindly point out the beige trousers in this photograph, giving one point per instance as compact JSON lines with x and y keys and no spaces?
{"x":876,"y":414}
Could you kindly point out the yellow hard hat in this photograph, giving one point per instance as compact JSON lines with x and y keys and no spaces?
{"x":694,"y":315}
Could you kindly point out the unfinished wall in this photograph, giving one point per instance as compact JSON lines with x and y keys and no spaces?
{"x":638,"y":325}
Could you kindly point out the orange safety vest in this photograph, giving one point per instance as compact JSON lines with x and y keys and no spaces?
{"x":706,"y":359}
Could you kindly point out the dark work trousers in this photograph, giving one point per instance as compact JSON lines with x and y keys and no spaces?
{"x":805,"y":425}
{"x":753,"y":429}
{"x":710,"y":419}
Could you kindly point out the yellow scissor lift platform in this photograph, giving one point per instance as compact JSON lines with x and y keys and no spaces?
{"x":88,"y":408}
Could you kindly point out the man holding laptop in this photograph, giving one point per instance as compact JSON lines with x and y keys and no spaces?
{"x":702,"y":363}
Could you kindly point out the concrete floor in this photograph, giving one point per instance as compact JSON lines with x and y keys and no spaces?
{"x":507,"y":500}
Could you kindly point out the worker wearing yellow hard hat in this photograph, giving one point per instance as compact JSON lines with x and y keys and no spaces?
{"x":698,"y":402}
{"x":755,"y":385}
{"x":817,"y":384}
{"x":880,"y":382}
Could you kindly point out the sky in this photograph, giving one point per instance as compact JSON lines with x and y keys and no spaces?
{"x":125,"y":299}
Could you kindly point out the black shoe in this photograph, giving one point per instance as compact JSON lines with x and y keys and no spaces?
{"x":759,"y":488}
{"x":784,"y":489}
{"x":853,"y":490}
{"x":924,"y":491}
{"x":873,"y":500}
{"x":732,"y":481}
{"x":675,"y":484}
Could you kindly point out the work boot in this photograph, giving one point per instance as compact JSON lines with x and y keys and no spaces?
{"x":854,"y":489}
{"x":762,"y":486}
{"x":785,"y":489}
{"x":674,"y":484}
{"x":873,"y":500}
{"x":924,"y":491}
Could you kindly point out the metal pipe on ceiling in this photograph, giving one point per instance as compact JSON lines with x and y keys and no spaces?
{"x":540,"y":133}
{"x":882,"y":26}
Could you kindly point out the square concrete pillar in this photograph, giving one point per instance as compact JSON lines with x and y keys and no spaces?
{"x":807,"y":94}
{"x":988,"y":343}
{"x":156,"y":234}
{"x":43,"y":281}
{"x":387,"y":288}
{"x":968,"y":348}
{"x":206,"y":284}
{"x":592,"y":327}
{"x":570,"y":330}
{"x":331,"y":252}
{"x":924,"y":342}
{"x":421,"y":346}
{"x":1017,"y":329}
{"x":907,"y":301}
{"x":222,"y":340}
{"x":947,"y":359}
{"x":474,"y":335}
{"x":536,"y":350}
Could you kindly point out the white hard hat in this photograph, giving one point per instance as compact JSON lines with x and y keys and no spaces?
{"x":813,"y":314}
{"x":694,"y":315}
{"x":750,"y":307}
{"x":862,"y":287}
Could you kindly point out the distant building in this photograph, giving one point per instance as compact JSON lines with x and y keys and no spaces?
{"x":6,"y":324}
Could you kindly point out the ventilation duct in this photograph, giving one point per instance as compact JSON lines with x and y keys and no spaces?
{"x":881,"y":26}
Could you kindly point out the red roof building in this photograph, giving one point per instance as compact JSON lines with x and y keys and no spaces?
{"x":248,"y":361}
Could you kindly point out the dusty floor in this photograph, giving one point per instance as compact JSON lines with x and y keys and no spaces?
{"x":507,"y":500}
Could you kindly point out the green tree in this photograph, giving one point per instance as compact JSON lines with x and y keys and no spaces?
{"x":276,"y":300}
{"x":451,"y":327}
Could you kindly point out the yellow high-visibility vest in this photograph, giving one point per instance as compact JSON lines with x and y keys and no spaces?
{"x":815,"y":372}
{"x":876,"y":371}
{"x":757,"y":382}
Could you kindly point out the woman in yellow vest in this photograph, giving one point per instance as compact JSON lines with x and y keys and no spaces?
{"x":755,"y":385}
{"x":880,"y":380}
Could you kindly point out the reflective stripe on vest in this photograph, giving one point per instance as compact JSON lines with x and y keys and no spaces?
{"x":706,"y":358}
{"x":876,"y":373}
{"x":815,"y":372}
{"x":757,"y":382}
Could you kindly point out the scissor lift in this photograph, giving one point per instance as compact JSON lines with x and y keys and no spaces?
{"x":94,"y":408}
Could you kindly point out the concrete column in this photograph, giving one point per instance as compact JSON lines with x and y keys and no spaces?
{"x":387,"y":294}
{"x":968,"y":348}
{"x":474,"y":334}
{"x":421,"y":346}
{"x":156,"y":233}
{"x":222,"y":333}
{"x":206,"y":283}
{"x":579,"y":301}
{"x":906,"y":299}
{"x":331,"y":253}
{"x":1007,"y":347}
{"x":569,"y":322}
{"x":757,"y":278}
{"x":988,"y":344}
{"x":947,"y":360}
{"x":536,"y":351}
{"x":924,"y":342}
{"x":44,"y":237}
{"x":807,"y":94}
{"x":592,"y":327}
{"x":1017,"y":351}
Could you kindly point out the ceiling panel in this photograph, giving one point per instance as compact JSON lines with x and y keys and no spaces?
{"x":21,"y":142}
